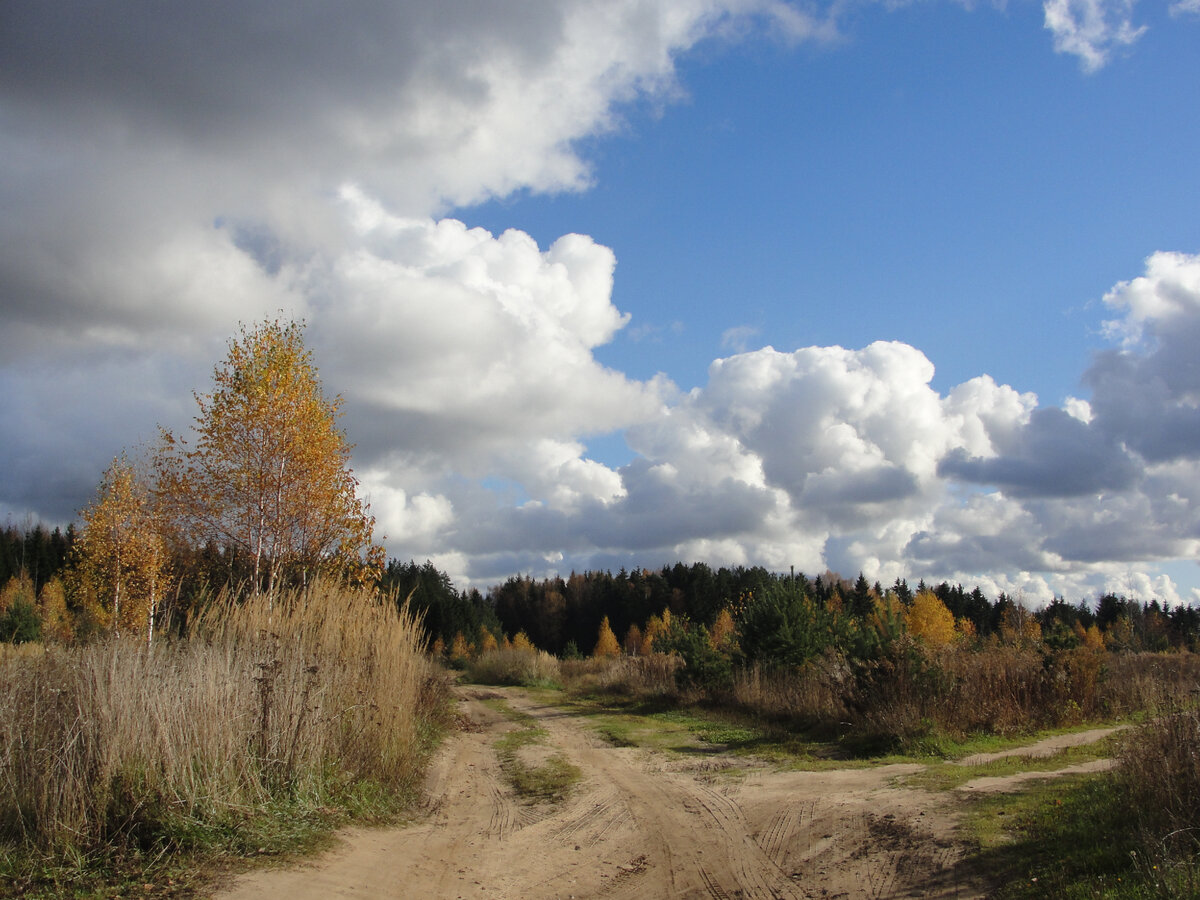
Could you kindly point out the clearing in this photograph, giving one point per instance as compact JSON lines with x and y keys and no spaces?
{"x":640,"y":823}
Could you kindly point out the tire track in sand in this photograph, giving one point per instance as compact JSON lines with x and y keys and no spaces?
{"x":636,"y":826}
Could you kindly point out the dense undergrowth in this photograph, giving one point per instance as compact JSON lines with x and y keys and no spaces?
{"x":278,"y":718}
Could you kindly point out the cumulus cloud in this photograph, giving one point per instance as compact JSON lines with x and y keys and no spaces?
{"x":1110,"y":481}
{"x":848,"y":458}
{"x":168,"y":170}
{"x":1091,"y":30}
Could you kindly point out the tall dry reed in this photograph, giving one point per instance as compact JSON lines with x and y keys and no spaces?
{"x":270,"y":698}
{"x":1158,"y":777}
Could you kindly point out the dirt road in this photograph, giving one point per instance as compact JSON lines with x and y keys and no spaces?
{"x":641,"y":824}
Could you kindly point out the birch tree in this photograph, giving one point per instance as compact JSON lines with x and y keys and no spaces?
{"x":266,"y":471}
{"x":120,"y":558}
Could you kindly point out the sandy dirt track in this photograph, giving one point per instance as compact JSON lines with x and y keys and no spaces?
{"x":641,"y":825}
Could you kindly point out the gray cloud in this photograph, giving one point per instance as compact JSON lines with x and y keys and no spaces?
{"x":1054,"y":455}
{"x":168,"y":170}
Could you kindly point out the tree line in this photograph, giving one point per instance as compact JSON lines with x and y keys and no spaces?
{"x":563,"y":615}
{"x":259,"y":494}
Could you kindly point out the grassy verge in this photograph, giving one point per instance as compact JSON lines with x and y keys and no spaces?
{"x":663,"y":724}
{"x":187,"y":856}
{"x":536,"y":775}
{"x":1068,"y":838}
{"x":1129,"y":833}
{"x":945,"y":776}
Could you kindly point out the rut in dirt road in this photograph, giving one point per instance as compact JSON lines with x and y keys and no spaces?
{"x":639,"y":825}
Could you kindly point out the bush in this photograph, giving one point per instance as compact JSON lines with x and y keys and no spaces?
{"x":643,"y":676}
{"x":1159,"y":768}
{"x":704,"y":667}
{"x":785,"y":628}
{"x":522,"y":667}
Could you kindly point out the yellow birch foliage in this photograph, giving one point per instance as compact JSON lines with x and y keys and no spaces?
{"x":928,"y":620}
{"x":269,"y":470}
{"x":1092,"y":638}
{"x":1079,"y":631}
{"x":633,"y":640}
{"x":58,"y":625}
{"x":1019,"y":628}
{"x":487,"y":641}
{"x":606,"y":641}
{"x":723,"y":629}
{"x":522,"y":642}
{"x":120,"y":558}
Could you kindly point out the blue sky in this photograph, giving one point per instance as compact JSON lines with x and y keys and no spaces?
{"x":938,"y":176}
{"x":968,"y":237}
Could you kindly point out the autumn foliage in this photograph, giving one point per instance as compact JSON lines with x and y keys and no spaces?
{"x":606,"y":641}
{"x":121,"y":558}
{"x":266,"y":472}
{"x":929,"y":621}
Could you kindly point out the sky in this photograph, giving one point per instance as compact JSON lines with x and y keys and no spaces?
{"x":906,"y":289}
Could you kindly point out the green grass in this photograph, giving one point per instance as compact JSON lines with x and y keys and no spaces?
{"x":944,"y":776}
{"x":663,"y":726}
{"x":549,"y":780}
{"x":1068,"y":838}
{"x":186,"y":855}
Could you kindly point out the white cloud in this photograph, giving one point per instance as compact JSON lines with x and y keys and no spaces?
{"x":167,"y":173}
{"x":738,"y":338}
{"x":1092,"y":30}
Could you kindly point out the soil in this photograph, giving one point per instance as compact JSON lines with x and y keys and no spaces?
{"x":642,"y":824}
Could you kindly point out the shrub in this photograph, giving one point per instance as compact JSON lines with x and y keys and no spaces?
{"x":523,"y":667}
{"x":704,"y":668}
{"x":646,"y":676}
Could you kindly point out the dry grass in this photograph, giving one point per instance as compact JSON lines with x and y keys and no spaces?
{"x":818,"y":693}
{"x":913,"y":697}
{"x":1160,"y":768}
{"x":514,"y":666}
{"x":117,"y":741}
{"x":652,"y":675}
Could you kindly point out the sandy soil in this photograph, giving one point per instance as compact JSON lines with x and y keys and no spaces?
{"x":642,"y":825}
